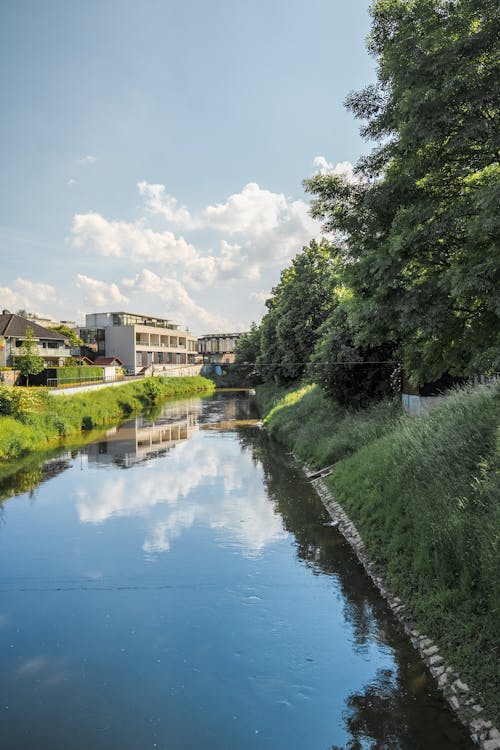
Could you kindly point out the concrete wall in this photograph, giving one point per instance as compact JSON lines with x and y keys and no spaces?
{"x":120,"y":342}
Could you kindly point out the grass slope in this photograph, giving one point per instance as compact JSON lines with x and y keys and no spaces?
{"x":424,"y":494}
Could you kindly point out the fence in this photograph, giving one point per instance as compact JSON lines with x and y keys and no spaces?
{"x":71,"y":382}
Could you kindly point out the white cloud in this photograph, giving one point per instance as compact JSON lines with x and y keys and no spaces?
{"x":27,"y":295}
{"x":71,"y":182}
{"x":87,"y":159}
{"x":157,"y":201}
{"x":269,"y":229}
{"x":252,"y":210}
{"x":343,"y":169}
{"x":98,"y":293}
{"x":260,"y":297}
{"x":175,"y":300}
{"x":130,"y":239}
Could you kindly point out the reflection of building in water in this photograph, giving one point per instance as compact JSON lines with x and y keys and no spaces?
{"x":142,"y":438}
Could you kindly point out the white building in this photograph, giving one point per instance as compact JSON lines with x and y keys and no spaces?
{"x":143,"y":342}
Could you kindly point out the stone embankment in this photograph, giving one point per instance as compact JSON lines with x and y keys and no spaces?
{"x":456,"y":692}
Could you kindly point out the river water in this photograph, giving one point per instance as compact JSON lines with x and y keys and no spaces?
{"x":177,"y":585}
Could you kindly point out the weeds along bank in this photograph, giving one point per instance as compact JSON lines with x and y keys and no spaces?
{"x":424,"y":493}
{"x":31,"y":419}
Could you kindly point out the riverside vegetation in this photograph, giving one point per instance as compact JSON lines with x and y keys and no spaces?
{"x":31,"y":419}
{"x":404,"y":286}
{"x":423,"y":494}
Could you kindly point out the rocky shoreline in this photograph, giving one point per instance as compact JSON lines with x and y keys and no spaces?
{"x":455,"y":691}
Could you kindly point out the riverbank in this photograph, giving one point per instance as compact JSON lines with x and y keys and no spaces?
{"x":423,"y":495}
{"x":32,"y":420}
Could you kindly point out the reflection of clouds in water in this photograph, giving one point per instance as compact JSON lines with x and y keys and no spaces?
{"x":164,"y":492}
{"x":46,"y":672}
{"x":136,"y":492}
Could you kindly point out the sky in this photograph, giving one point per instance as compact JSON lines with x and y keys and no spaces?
{"x":152,"y":154}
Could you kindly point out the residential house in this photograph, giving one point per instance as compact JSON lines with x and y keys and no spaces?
{"x":144,"y":343}
{"x":51,"y":345}
{"x":218,"y":348}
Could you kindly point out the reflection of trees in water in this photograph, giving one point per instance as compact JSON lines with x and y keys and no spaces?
{"x":399,"y":709}
{"x":386,"y":716}
{"x":322,"y":547}
{"x":29,"y":474}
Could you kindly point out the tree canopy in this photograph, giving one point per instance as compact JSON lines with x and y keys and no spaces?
{"x":300,"y":303}
{"x":421,"y":223}
{"x":71,"y":336}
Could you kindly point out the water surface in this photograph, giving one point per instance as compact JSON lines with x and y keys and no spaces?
{"x":178,"y":588}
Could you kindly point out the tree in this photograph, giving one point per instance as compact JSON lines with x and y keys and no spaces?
{"x":354,"y":375}
{"x":300,"y":303}
{"x":29,"y":362}
{"x":421,"y":223}
{"x":72,"y":338}
{"x":248,"y":346}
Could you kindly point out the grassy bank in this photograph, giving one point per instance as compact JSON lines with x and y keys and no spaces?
{"x":31,"y":419}
{"x":425,"y":496}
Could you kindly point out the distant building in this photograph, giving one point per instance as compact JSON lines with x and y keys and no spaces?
{"x":144,"y":343}
{"x":51,"y":345}
{"x":218,"y":348}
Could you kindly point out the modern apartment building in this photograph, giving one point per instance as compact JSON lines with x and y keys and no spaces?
{"x":218,"y":348}
{"x":143,"y":342}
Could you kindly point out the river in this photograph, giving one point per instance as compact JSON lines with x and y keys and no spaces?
{"x":177,"y":585}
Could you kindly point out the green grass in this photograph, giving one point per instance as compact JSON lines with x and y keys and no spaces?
{"x":35,"y":420}
{"x":317,"y":429}
{"x":424,"y":494}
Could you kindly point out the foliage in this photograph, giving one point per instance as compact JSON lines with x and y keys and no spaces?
{"x":7,"y":401}
{"x":70,"y":335}
{"x":300,"y":303}
{"x":153,"y":390}
{"x":77,"y":373}
{"x":352,"y":374}
{"x":29,"y":362}
{"x":421,"y":223}
{"x":248,"y":346}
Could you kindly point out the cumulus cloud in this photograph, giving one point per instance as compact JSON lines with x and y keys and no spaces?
{"x":131,"y":239}
{"x":157,"y":201}
{"x":99,"y":293}
{"x":343,"y":169}
{"x":266,"y":229}
{"x":260,"y":297}
{"x":27,"y":295}
{"x":175,"y":300}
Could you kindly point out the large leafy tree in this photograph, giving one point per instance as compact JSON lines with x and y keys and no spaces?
{"x":354,"y":375}
{"x":421,"y":223}
{"x":248,"y":346}
{"x":300,"y":303}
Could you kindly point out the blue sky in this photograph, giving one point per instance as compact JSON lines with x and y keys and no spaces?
{"x":153,"y":153}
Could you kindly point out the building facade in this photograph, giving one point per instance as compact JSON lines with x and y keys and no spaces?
{"x":144,"y":343}
{"x":51,"y":346}
{"x":218,"y":348}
